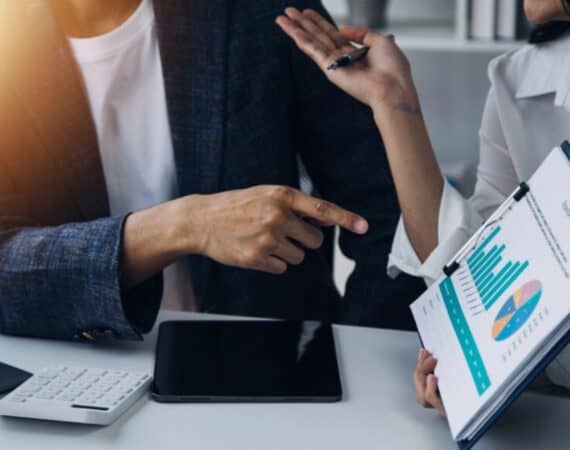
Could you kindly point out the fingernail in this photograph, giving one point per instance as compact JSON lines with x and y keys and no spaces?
{"x":361,"y":226}
{"x":420,"y":354}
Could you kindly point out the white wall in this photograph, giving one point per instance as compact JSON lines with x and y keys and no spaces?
{"x":404,"y":10}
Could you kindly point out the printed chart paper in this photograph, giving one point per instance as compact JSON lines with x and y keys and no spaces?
{"x":508,"y":296}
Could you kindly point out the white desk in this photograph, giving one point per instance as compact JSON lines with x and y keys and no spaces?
{"x":378,"y":410}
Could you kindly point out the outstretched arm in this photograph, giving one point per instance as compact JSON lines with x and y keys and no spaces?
{"x":260,"y":228}
{"x":383,"y":81}
{"x":64,"y":281}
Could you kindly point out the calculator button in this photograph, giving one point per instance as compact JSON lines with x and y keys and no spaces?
{"x":45,"y":396}
{"x":28,"y":389}
{"x":49,"y":373}
{"x":74,"y":391}
{"x":71,"y":374}
{"x":112,"y":379}
{"x":90,"y":379}
{"x":118,"y":373}
{"x":87,"y":397}
{"x":22,"y":394}
{"x":51,"y":390}
{"x":68,"y":377}
{"x":123,"y":387}
{"x":35,"y":381}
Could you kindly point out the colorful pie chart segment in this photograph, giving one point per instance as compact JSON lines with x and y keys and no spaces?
{"x":516,"y":310}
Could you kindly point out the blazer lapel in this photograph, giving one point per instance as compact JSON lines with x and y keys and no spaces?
{"x":192,"y":39}
{"x":51,"y":88}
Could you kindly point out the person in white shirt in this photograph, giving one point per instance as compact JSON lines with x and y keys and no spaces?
{"x":527,"y":114}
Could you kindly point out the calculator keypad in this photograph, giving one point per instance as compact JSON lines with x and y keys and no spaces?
{"x":104,"y":389}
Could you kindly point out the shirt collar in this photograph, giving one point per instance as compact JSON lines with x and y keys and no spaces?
{"x":548,"y":72}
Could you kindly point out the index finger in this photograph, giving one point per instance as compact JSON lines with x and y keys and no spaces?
{"x":327,"y":212}
{"x":326,"y":26}
{"x":432,"y":395}
{"x":420,"y":379}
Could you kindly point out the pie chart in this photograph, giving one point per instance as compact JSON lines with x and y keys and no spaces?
{"x":516,"y":310}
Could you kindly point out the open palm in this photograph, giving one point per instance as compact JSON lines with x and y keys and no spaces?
{"x":384,"y":72}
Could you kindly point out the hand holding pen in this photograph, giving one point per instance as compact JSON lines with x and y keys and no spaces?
{"x":348,"y":58}
{"x":369,"y":72}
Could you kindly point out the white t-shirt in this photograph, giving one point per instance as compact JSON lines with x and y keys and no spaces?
{"x":123,"y":76}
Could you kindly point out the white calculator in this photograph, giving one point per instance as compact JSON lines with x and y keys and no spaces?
{"x":69,"y":394}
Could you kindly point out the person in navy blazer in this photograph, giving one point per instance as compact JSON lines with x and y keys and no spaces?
{"x":244,"y":108}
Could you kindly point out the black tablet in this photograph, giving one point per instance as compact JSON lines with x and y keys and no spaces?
{"x":11,"y":377}
{"x":246,"y":361}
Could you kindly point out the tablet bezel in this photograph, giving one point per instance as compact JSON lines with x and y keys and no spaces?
{"x":241,"y":398}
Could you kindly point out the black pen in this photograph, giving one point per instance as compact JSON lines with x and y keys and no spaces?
{"x":349,"y":58}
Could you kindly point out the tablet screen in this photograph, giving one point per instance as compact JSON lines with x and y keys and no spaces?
{"x":246,"y":361}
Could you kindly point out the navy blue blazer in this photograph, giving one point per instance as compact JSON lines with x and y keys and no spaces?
{"x":244,"y":106}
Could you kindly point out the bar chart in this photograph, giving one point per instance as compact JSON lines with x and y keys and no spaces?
{"x":492,"y":273}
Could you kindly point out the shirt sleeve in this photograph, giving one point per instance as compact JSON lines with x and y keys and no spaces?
{"x":459,"y":217}
{"x":458,"y":220}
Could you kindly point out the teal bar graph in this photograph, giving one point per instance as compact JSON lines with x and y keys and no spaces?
{"x":492,"y":274}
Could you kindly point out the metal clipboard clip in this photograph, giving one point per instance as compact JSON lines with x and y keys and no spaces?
{"x":519,"y":193}
{"x":497,"y":216}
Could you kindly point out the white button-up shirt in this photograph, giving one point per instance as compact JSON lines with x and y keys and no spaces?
{"x":526,"y":115}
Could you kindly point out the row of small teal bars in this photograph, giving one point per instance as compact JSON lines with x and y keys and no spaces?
{"x":492,"y":284}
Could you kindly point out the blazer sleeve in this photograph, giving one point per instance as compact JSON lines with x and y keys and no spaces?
{"x":61,"y":281}
{"x":343,"y":151}
{"x":59,"y":268}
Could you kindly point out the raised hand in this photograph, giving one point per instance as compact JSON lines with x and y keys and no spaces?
{"x":383,"y":74}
